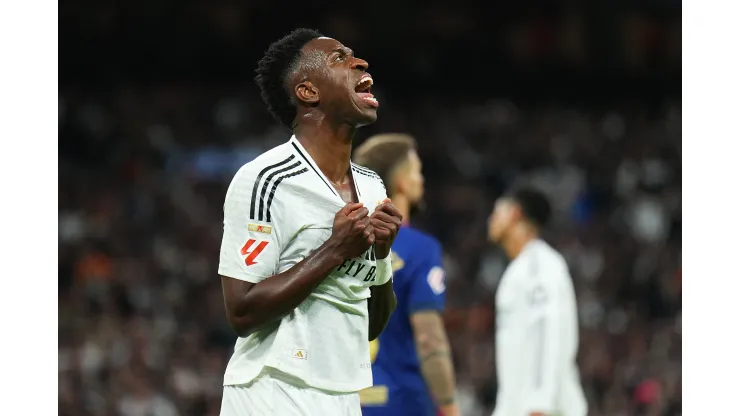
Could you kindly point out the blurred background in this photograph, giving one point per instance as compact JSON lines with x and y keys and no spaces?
{"x":157,"y":110}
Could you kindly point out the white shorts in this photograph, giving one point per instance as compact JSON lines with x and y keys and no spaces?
{"x":268,"y":396}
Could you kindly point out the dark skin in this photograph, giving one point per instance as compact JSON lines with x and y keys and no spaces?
{"x":329,"y":111}
{"x":386,"y":221}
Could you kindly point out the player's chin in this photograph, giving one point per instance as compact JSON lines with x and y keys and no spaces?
{"x":364,"y":119}
{"x":494,"y":237}
{"x":367,"y":112}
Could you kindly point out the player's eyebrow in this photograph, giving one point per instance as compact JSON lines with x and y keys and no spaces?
{"x":344,"y":50}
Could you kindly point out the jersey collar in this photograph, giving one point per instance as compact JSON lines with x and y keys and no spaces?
{"x":303,"y":154}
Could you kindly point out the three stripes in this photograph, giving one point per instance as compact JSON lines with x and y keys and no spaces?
{"x":277,"y":172}
{"x":285,"y":169}
{"x":367,"y":172}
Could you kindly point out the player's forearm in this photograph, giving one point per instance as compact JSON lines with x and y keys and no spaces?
{"x":545,"y":338}
{"x":433,"y":350}
{"x":439,"y":374}
{"x":278,"y":295}
{"x":380,"y":306}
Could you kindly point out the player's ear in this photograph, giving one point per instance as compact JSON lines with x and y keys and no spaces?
{"x":516,"y":213}
{"x":399,"y":184}
{"x":307,"y":93}
{"x":399,"y":179}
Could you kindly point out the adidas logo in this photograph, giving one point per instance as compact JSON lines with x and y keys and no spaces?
{"x":300,"y":354}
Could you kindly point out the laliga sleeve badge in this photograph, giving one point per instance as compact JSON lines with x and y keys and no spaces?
{"x":265,"y":229}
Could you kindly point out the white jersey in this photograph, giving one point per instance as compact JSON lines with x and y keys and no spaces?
{"x":278,"y":209}
{"x":537,"y":337}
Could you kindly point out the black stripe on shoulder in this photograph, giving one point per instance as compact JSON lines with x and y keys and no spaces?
{"x":363,"y":169}
{"x":358,"y":166}
{"x":370,"y":175}
{"x":275,"y":186}
{"x":257,"y":182}
{"x":365,"y":174}
{"x":314,"y":169}
{"x":266,"y":186}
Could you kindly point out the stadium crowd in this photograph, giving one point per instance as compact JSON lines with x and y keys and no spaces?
{"x":143,"y":173}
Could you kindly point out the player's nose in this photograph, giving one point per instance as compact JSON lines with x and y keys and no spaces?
{"x":360,"y":64}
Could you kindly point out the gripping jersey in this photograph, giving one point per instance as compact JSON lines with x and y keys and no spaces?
{"x":278,"y":209}
{"x":418,"y":280}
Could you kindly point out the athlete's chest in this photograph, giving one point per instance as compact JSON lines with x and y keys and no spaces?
{"x":508,"y":297}
{"x":313,"y":201}
{"x":346,"y":192}
{"x":307,"y":211}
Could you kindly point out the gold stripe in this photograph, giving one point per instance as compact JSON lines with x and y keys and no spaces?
{"x":374,"y":347}
{"x":374,"y":396}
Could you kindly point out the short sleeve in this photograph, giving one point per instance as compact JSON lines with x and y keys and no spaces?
{"x":250,"y":248}
{"x":426,"y":289}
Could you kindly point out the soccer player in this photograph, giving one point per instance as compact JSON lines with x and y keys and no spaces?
{"x":305,"y":264}
{"x":536,"y":315}
{"x":412,"y":372}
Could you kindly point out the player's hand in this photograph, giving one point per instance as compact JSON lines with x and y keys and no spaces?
{"x":386,"y":221}
{"x":352,"y":233}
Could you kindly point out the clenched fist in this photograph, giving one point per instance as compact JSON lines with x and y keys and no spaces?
{"x":386,"y":221}
{"x":352,"y":233}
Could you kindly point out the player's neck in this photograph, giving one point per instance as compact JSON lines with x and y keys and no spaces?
{"x":403,"y":206}
{"x":519,"y":237}
{"x":329,"y":146}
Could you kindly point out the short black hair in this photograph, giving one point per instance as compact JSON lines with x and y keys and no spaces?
{"x":534,"y":205}
{"x":279,"y":60}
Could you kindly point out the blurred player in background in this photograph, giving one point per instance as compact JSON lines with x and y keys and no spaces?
{"x":305,"y":265}
{"x":413,"y":373}
{"x":536,"y":315}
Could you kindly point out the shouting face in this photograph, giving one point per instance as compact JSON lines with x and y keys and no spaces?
{"x":337,"y":82}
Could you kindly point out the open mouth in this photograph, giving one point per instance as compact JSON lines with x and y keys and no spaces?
{"x":363,"y":90}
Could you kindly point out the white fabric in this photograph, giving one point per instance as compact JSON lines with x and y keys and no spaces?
{"x":385,"y":271}
{"x":323,"y":342}
{"x":537,"y":337}
{"x":272,"y":396}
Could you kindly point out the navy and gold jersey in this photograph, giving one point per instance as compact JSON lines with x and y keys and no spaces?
{"x":418,"y":281}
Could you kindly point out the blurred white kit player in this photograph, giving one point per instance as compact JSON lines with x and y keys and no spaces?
{"x":278,"y":209}
{"x":536,"y":316}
